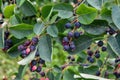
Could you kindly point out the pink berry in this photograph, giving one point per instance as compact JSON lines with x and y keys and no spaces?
{"x":34,"y":68}
{"x":47,"y":79}
{"x":28,"y":50}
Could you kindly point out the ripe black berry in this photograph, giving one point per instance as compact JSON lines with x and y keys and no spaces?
{"x":38,"y":69}
{"x":91,"y":60}
{"x":100,"y":43}
{"x":104,"y":48}
{"x":41,"y":61}
{"x":97,"y":55}
{"x":68,"y":25}
{"x":72,"y":59}
{"x":42,"y":74}
{"x":76,"y":34}
{"x":98,"y":73}
{"x":77,"y":24}
{"x":33,"y":62}
{"x":69,"y":57}
{"x":90,"y":53}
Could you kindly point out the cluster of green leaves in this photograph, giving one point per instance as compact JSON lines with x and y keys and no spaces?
{"x":28,"y":18}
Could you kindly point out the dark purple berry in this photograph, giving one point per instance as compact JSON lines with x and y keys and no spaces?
{"x":9,"y":41}
{"x":21,"y":47}
{"x":97,"y":55}
{"x":70,"y":34}
{"x":42,"y":74}
{"x":76,"y":34}
{"x":41,"y":61}
{"x":32,"y":48}
{"x":100,"y":43}
{"x":34,"y":40}
{"x":27,"y":43}
{"x":38,"y":69}
{"x":68,"y":25}
{"x":24,"y":52}
{"x":33,"y":62}
{"x":117,"y":60}
{"x":66,"y":47}
{"x":90,"y":53}
{"x":88,"y":58}
{"x":98,"y":73}
{"x":65,"y":39}
{"x":104,"y":48}
{"x":72,"y":46}
{"x":91,"y":60}
{"x":111,"y":31}
{"x":7,"y":33}
{"x":77,"y":24}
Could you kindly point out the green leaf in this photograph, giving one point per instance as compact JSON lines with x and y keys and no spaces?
{"x":116,"y":16}
{"x":21,"y":30}
{"x":21,"y":72}
{"x":28,"y":59}
{"x":1,"y":38}
{"x":95,"y":3}
{"x":1,"y":6}
{"x":83,"y":42}
{"x":84,"y":11}
{"x":52,"y":30}
{"x":106,"y":14}
{"x":68,"y":75}
{"x":15,"y":20}
{"x":114,"y":44}
{"x":28,"y":9}
{"x":58,"y":76}
{"x":64,"y":10}
{"x":38,"y":28}
{"x":54,"y":17}
{"x":97,"y":27}
{"x":50,"y":75}
{"x":111,"y":52}
{"x":46,"y":11}
{"x":9,"y":10}
{"x":91,"y":69}
{"x":45,"y":48}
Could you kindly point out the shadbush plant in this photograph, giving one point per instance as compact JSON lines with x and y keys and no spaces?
{"x":62,"y":39}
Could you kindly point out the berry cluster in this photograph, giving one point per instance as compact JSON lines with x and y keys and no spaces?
{"x":67,"y":42}
{"x":36,"y":66}
{"x":7,"y":41}
{"x":28,"y":46}
{"x":96,"y":54}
